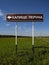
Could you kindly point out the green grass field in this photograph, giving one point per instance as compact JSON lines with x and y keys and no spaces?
{"x":25,"y":55}
{"x":24,"y":43}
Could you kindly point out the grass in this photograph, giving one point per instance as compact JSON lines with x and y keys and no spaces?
{"x":7,"y":49}
{"x":24,"y":43}
{"x":41,"y":41}
{"x":25,"y":55}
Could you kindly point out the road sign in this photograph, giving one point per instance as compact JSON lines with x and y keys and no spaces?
{"x":24,"y":17}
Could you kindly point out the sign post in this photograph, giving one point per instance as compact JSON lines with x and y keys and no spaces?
{"x":16,"y":28}
{"x":23,"y":18}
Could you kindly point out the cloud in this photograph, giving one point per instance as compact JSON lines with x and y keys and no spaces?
{"x":2,"y":16}
{"x":1,"y":13}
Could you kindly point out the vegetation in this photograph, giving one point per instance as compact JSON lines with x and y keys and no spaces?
{"x":26,"y":54}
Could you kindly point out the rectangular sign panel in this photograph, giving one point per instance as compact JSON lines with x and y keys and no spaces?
{"x":24,"y":17}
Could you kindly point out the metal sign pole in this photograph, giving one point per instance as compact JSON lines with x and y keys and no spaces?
{"x":16,"y":36}
{"x":32,"y":36}
{"x":32,"y":33}
{"x":33,"y":41}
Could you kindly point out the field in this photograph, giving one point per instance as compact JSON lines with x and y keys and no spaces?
{"x":26,"y":54}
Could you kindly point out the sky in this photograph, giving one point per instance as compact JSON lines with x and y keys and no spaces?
{"x":24,"y":7}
